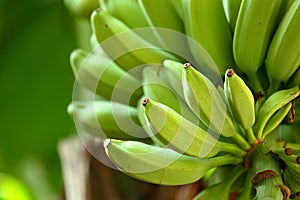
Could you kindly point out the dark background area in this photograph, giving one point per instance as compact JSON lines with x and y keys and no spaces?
{"x":36,"y":38}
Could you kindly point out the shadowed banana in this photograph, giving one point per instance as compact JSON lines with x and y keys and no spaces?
{"x":254,"y":28}
{"x":107,"y":119}
{"x":283,"y":56}
{"x":182,"y":135}
{"x":161,"y":165}
{"x":100,"y":74}
{"x":232,"y":8}
{"x":116,"y":38}
{"x":205,"y":22}
{"x":81,"y":8}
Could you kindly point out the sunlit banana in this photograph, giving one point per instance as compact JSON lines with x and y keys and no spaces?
{"x":221,"y":190}
{"x":240,"y":99}
{"x":182,"y":135}
{"x":273,"y":104}
{"x":205,"y":101}
{"x":173,"y":74}
{"x":205,"y":22}
{"x":283,"y":56}
{"x":101,"y":75}
{"x":161,"y":165}
{"x":107,"y":119}
{"x":232,"y":8}
{"x":253,"y":32}
{"x":136,"y":50}
{"x":156,"y":87}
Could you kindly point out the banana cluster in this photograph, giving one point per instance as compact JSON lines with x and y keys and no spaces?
{"x":186,"y":89}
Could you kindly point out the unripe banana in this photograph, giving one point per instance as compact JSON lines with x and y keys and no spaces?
{"x":81,"y":8}
{"x":107,"y":119}
{"x":208,"y":105}
{"x":283,"y":56}
{"x":171,"y":20}
{"x":248,"y":190}
{"x":273,"y":104}
{"x":232,"y":8}
{"x":161,"y":165}
{"x":240,"y":99}
{"x":221,"y":191}
{"x":121,"y":10}
{"x":182,"y":135}
{"x":291,"y":179}
{"x":277,"y":118}
{"x":254,"y":28}
{"x":206,"y":23}
{"x":296,"y":77}
{"x":101,"y":75}
{"x":156,"y":87}
{"x":117,"y":39}
{"x":204,"y":100}
{"x":173,"y":73}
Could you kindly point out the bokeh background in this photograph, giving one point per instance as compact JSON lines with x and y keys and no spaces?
{"x":36,"y":38}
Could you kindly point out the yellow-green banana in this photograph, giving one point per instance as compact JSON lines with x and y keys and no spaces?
{"x":232,"y":8}
{"x":273,"y":104}
{"x":240,"y":99}
{"x":107,"y":119}
{"x":205,"y":101}
{"x":116,"y":38}
{"x":101,"y":75}
{"x":156,"y":87}
{"x":254,"y":28}
{"x":205,"y":22}
{"x":182,"y":135}
{"x":283,"y":57}
{"x":161,"y":165}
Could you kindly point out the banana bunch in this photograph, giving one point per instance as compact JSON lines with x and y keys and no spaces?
{"x":179,"y":90}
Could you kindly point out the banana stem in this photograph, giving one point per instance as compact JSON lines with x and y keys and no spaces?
{"x":241,"y":141}
{"x":250,"y":136}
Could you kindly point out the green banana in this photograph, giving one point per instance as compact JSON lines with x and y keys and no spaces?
{"x":173,"y":74}
{"x":205,"y":101}
{"x":283,"y":57}
{"x":273,"y":104}
{"x":248,"y":190}
{"x":221,"y":190}
{"x":136,"y":50}
{"x":120,"y":10}
{"x":107,"y":119}
{"x":182,"y":135}
{"x":160,"y":165}
{"x":232,"y":8}
{"x":171,"y":21}
{"x":254,"y":28}
{"x":101,"y":75}
{"x":296,"y":77}
{"x":81,"y":8}
{"x":240,"y":99}
{"x":205,"y":22}
{"x":291,"y":179}
{"x":277,"y":118}
{"x":156,"y":87}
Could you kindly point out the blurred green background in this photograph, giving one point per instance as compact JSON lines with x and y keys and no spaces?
{"x":36,"y":38}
